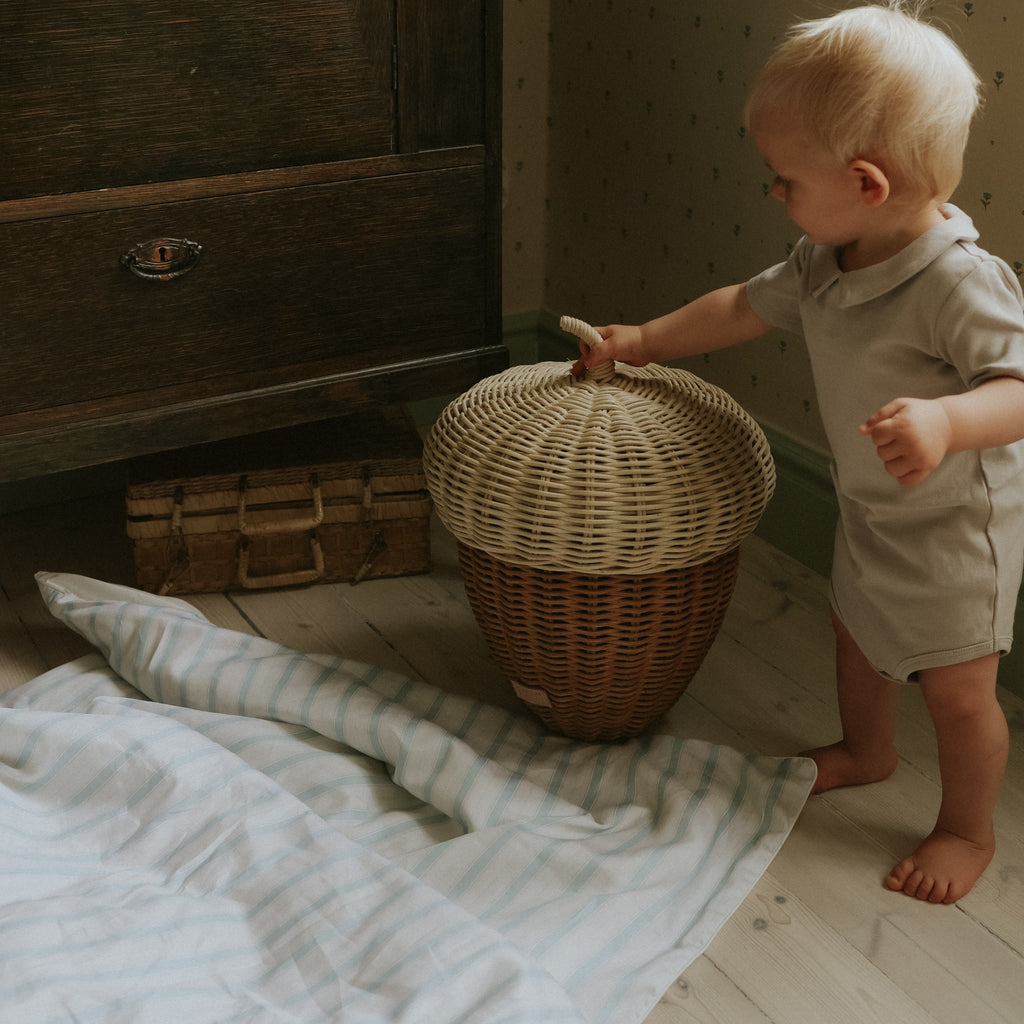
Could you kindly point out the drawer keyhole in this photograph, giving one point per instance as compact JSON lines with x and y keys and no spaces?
{"x":162,"y":259}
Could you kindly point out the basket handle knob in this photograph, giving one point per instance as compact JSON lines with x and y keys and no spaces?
{"x":603,"y":371}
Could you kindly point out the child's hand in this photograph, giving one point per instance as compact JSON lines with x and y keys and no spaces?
{"x":912,"y":436}
{"x":621,"y":342}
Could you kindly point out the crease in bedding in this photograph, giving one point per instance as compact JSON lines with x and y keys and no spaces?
{"x":200,"y":824}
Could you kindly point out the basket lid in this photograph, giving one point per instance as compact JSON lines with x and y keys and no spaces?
{"x":624,"y":470}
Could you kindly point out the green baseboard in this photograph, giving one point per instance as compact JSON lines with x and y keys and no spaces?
{"x":801,"y":517}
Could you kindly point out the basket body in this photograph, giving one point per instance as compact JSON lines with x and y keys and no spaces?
{"x":599,"y":519}
{"x":598,"y":658}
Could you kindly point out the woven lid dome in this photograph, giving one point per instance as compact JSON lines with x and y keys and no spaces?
{"x":626,"y":470}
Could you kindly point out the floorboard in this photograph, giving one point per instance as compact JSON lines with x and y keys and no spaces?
{"x":819,"y":940}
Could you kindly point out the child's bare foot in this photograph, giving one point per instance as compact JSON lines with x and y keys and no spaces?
{"x":943,"y":868}
{"x":839,"y":766}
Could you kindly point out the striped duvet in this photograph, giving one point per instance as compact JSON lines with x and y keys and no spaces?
{"x":197,"y":825}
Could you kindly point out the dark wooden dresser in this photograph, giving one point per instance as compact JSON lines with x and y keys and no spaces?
{"x":221,"y":217}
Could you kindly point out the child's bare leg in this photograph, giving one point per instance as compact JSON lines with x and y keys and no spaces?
{"x":867,"y":712}
{"x":973,"y":744}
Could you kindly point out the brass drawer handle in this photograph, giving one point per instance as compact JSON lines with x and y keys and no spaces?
{"x":162,"y":259}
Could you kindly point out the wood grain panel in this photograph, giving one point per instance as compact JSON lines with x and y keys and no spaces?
{"x":337,"y":160}
{"x":116,"y":92}
{"x":440,"y":69}
{"x":339,"y":276}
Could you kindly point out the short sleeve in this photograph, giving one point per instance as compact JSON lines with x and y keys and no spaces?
{"x":980,"y":327}
{"x":774,"y":294}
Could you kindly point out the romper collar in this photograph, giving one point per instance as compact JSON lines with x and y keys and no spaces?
{"x":859,"y":286}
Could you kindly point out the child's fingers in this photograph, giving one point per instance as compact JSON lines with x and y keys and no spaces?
{"x":588,"y":356}
{"x":875,"y":428}
{"x":872,"y":424}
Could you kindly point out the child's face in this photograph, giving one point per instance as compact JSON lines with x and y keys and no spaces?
{"x":822,"y":196}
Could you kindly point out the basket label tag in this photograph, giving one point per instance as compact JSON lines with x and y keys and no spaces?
{"x":531,"y":694}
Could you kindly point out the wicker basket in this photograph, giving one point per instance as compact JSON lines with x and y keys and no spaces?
{"x":599,"y":520}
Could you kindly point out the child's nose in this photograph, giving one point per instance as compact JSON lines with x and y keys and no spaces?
{"x":778,"y":190}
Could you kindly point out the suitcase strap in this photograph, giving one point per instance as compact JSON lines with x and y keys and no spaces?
{"x":280,"y":579}
{"x":300,"y":524}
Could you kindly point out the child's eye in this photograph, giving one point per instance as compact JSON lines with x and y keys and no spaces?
{"x":781,"y":181}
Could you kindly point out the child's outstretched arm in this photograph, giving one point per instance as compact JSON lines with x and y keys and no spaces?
{"x":716,"y":320}
{"x":913,"y":435}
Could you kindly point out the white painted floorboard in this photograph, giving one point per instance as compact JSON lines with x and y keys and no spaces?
{"x":819,"y":940}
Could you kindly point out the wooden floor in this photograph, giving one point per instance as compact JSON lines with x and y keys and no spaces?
{"x":819,"y":941}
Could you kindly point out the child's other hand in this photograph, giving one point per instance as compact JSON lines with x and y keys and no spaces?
{"x":912,"y":436}
{"x":622,"y":342}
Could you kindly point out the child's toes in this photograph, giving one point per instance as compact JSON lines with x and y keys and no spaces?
{"x":927,"y":890}
{"x":899,"y":878}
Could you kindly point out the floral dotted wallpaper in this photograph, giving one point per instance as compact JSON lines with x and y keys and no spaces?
{"x":630,"y":186}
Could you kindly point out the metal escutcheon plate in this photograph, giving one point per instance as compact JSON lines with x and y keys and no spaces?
{"x":162,"y":259}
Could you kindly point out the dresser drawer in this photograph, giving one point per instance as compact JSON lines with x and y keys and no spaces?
{"x":291,"y":284}
{"x":330,"y":172}
{"x":116,"y":92}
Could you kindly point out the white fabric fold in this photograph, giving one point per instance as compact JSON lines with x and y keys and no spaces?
{"x":199,"y":822}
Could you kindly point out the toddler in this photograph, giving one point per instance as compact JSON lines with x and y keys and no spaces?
{"x":916,"y":339}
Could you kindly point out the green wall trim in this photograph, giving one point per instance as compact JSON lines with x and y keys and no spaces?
{"x":801,"y":517}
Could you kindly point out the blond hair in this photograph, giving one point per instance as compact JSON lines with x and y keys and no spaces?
{"x":875,"y":83}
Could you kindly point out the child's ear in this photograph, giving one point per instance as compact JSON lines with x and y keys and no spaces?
{"x":874,"y":183}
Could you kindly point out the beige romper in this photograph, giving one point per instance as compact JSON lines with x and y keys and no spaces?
{"x":922,"y":576}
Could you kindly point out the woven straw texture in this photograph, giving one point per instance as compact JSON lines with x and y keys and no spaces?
{"x":628,"y":470}
{"x":344,"y":499}
{"x":598,"y":658}
{"x":599,"y":520}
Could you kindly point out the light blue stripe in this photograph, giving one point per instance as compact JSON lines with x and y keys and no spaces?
{"x":284,"y":682}
{"x":341,"y":709}
{"x":193,"y":667}
{"x":67,"y":924}
{"x":164,"y":651}
{"x":459,"y":802}
{"x":600,"y":957}
{"x":218,"y":669}
{"x":29,"y":743}
{"x":502,"y":803}
{"x":169,"y":965}
{"x":369,"y":950}
{"x":444,"y":750}
{"x":775,"y":792}
{"x":248,"y":678}
{"x":354,"y":780}
{"x":565,"y":762}
{"x":439,"y":978}
{"x":693,"y":805}
{"x":374,"y":724}
{"x":63,"y":762}
{"x":314,"y":691}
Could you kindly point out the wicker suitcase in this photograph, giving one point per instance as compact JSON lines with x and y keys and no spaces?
{"x":338,"y":500}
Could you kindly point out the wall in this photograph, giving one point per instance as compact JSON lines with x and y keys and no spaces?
{"x":632,"y":187}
